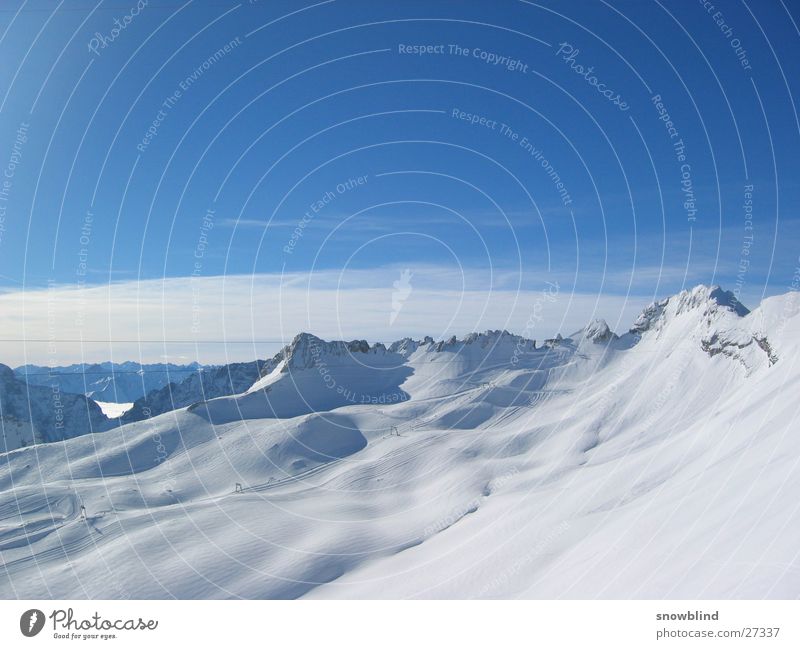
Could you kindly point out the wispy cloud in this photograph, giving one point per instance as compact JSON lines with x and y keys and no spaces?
{"x":373,"y":221}
{"x":242,"y":316}
{"x":249,"y":223}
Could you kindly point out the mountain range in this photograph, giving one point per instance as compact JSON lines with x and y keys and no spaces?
{"x":661,"y":462}
{"x":107,"y":382}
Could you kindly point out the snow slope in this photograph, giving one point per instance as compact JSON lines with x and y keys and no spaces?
{"x":659,"y":463}
{"x":114,"y":410}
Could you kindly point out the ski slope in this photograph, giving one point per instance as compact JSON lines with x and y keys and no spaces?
{"x":660,"y":463}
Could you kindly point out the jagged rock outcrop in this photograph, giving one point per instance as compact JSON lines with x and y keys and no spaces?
{"x":739,"y":346}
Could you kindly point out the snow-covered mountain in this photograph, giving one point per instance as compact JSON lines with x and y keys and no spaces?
{"x":202,"y":384}
{"x":33,"y":414}
{"x":108,"y":382}
{"x":662,"y":462}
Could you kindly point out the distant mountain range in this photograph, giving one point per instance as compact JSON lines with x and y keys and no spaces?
{"x":114,"y":382}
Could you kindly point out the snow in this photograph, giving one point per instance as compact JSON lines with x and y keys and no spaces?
{"x":114,"y":410}
{"x":659,"y":463}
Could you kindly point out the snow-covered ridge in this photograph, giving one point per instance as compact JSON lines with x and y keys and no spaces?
{"x":307,"y":350}
{"x":716,"y":320}
{"x":711,"y":300}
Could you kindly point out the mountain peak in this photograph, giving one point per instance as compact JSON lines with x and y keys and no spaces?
{"x":306,"y":350}
{"x":711,"y":299}
{"x":726,"y":299}
{"x":598,"y":331}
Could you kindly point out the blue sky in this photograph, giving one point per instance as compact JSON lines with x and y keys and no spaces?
{"x":198,"y":137}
